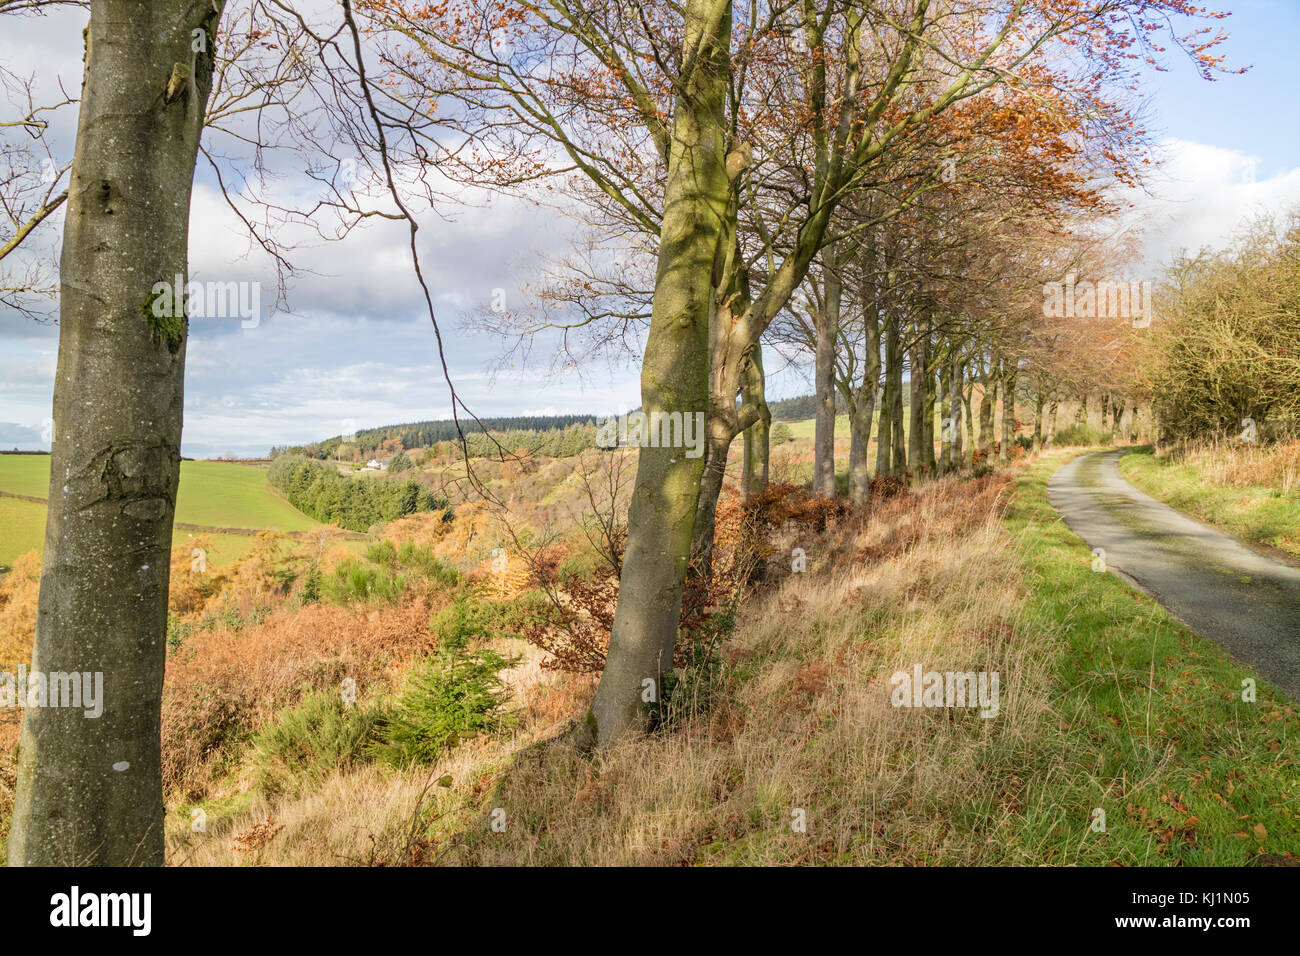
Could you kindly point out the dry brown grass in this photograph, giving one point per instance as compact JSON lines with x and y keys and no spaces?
{"x":223,"y":683}
{"x":802,"y":721}
{"x":365,"y":817}
{"x":1237,"y":464}
{"x":18,"y":593}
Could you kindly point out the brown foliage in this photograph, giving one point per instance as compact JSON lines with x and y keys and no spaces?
{"x":884,"y":487}
{"x":223,"y":683}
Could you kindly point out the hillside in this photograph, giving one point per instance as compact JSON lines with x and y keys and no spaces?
{"x":231,"y":503}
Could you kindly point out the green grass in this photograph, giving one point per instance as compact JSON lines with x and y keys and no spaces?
{"x":212,"y":493}
{"x":222,"y":549}
{"x":1153,"y":728}
{"x":808,"y":427}
{"x":25,"y":475}
{"x":22,"y":529}
{"x":1254,"y":513}
{"x":234,"y":496}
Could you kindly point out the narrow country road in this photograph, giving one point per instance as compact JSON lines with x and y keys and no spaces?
{"x":1246,"y":602}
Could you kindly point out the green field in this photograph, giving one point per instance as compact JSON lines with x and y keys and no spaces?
{"x":22,"y":528}
{"x":212,"y":493}
{"x":25,"y":475}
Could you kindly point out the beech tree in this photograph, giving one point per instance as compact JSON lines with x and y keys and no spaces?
{"x":90,"y":791}
{"x":157,"y":75}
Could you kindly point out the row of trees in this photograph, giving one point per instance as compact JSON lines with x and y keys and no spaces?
{"x":910,"y":163}
{"x":747,"y":151}
{"x":355,"y":503}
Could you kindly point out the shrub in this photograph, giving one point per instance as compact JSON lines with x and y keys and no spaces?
{"x":1083,"y":434}
{"x":884,"y":487}
{"x":354,"y":580}
{"x":311,"y":585}
{"x":383,"y":552}
{"x":423,"y":561}
{"x":449,"y":697}
{"x":1225,"y":351}
{"x":319,"y":735}
{"x":780,"y":434}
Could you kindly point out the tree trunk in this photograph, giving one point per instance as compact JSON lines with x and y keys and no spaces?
{"x":862,"y":413}
{"x":90,"y":788}
{"x":828,"y":325}
{"x":958,"y":403}
{"x":945,"y":418}
{"x":990,"y":391}
{"x":898,"y":436}
{"x":916,"y":463}
{"x":1040,"y":403}
{"x":928,"y":390}
{"x":886,"y":440}
{"x":758,"y":448}
{"x":674,"y":377}
{"x":1052,"y":409}
{"x":1008,"y":411}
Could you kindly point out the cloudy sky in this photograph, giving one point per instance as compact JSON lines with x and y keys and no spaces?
{"x":358,"y":349}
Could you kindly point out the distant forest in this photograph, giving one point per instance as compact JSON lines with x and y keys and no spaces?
{"x":427,"y":434}
{"x":557,"y":436}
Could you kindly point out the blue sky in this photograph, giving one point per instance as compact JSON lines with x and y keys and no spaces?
{"x":1255,"y":113}
{"x":359,"y":350}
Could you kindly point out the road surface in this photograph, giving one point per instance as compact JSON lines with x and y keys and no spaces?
{"x":1247,"y":602}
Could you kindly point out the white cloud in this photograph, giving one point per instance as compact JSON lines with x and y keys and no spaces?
{"x":1202,"y":195}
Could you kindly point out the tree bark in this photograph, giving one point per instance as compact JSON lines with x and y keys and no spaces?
{"x":674,"y":377}
{"x":916,"y":459}
{"x":758,"y":447}
{"x":945,"y":413}
{"x":929,"y":383}
{"x":1008,"y":410}
{"x":898,"y":437}
{"x":90,"y":788}
{"x":863,"y":410}
{"x":827,"y":327}
{"x":885,"y":430}
{"x":988,"y":396}
{"x":958,"y":404}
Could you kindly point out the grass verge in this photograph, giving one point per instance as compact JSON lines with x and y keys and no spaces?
{"x":1154,"y":730}
{"x":1261,"y":513}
